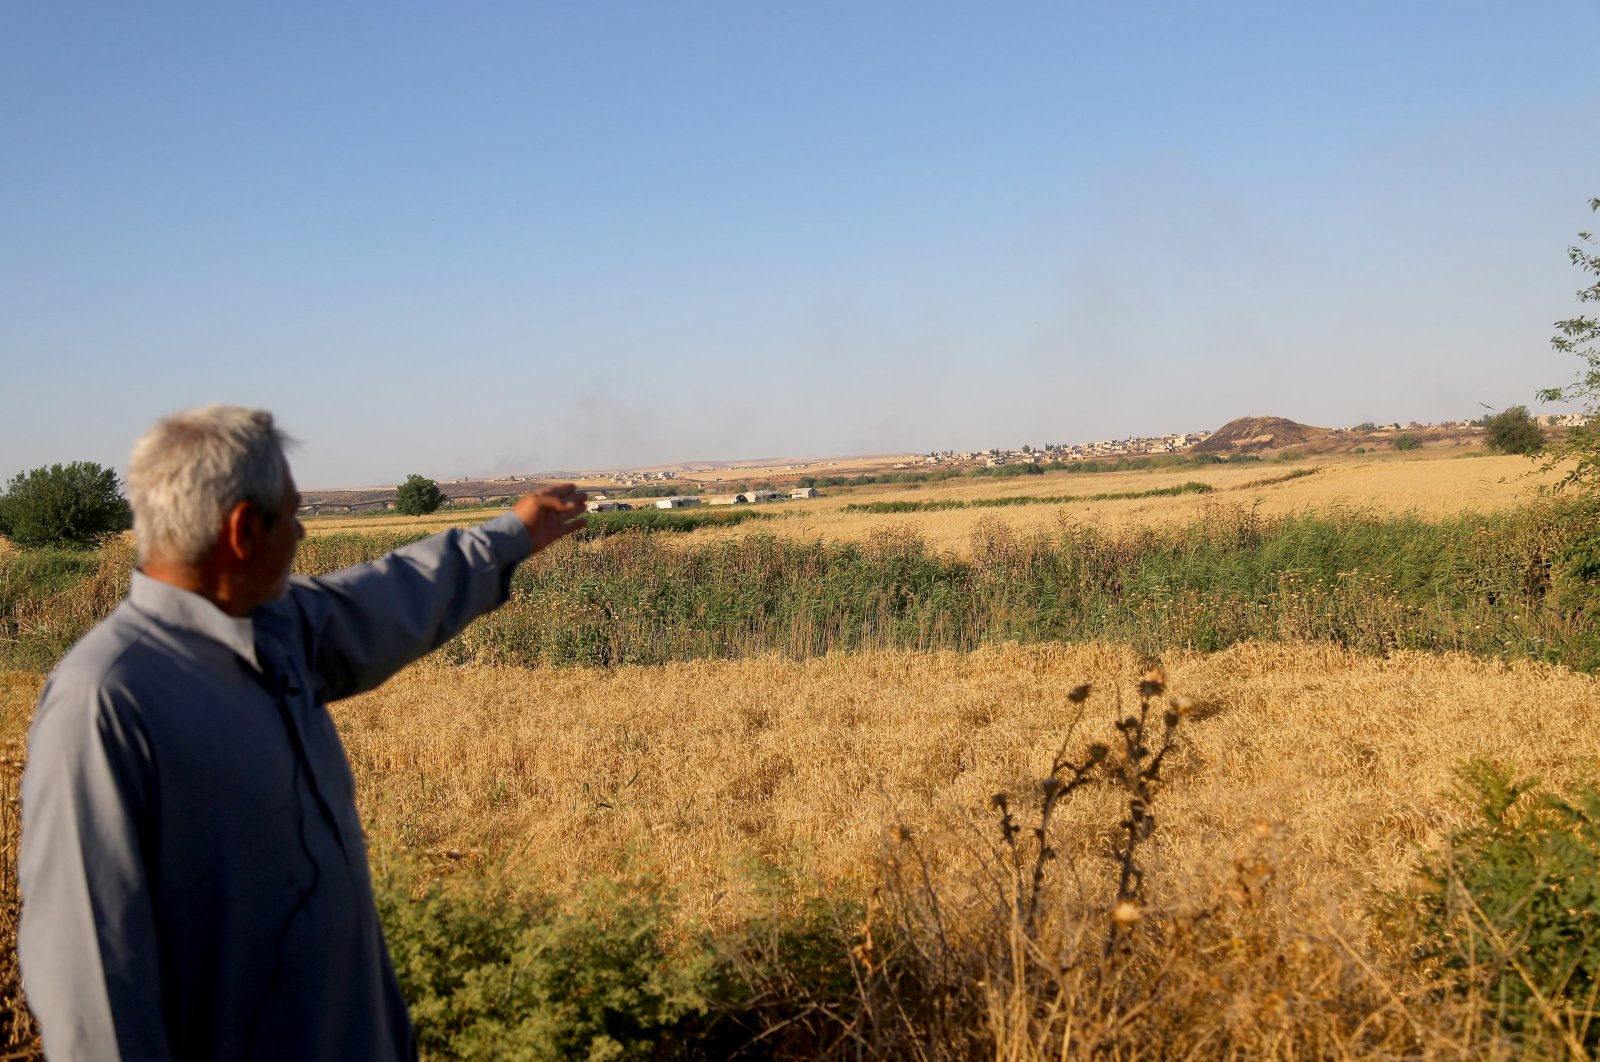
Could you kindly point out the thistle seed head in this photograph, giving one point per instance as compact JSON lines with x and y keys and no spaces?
{"x":1078,"y":694}
{"x":1126,"y":913}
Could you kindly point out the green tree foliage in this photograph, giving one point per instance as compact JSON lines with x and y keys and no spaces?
{"x":418,"y":496}
{"x":72,"y":506}
{"x":1510,"y":907}
{"x":1578,"y":452}
{"x":1513,"y":432}
{"x":1407,"y":442}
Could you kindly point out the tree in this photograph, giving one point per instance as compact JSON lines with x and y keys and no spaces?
{"x":1579,"y":449}
{"x":418,"y":496}
{"x":1407,"y":442}
{"x":72,"y":506}
{"x":1513,"y":432}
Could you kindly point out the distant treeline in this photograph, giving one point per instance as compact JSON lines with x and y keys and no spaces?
{"x":1116,"y":464}
{"x":1191,"y":487}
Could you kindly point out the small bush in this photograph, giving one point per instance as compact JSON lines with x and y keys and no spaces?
{"x":488,"y":975}
{"x":1509,"y":908}
{"x":63,"y":506}
{"x":614,"y":973}
{"x":1407,"y":442}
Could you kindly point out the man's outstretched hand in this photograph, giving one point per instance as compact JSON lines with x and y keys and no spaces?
{"x":551,"y":512}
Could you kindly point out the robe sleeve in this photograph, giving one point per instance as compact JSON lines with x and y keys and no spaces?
{"x":362,"y":624}
{"x":88,"y":944}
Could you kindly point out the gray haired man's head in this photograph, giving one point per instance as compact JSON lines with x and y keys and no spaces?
{"x":189,"y":471}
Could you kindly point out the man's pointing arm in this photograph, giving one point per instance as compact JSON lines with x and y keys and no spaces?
{"x":366,"y":622}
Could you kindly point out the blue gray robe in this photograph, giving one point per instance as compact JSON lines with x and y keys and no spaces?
{"x":193,"y":873}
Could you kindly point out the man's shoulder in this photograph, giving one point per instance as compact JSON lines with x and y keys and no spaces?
{"x":104,"y":649}
{"x":103,"y":663}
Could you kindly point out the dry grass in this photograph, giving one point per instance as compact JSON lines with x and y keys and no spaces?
{"x":1304,"y":781}
{"x":692,"y":770}
{"x":1301,"y":790}
{"x":18,"y":691}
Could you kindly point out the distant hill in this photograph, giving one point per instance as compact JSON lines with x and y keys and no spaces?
{"x":1272,"y":435}
{"x":1251,"y":435}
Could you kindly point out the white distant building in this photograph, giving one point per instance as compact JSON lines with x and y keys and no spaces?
{"x":729,"y":499}
{"x":804,"y":492}
{"x":763,"y":495}
{"x":677,"y":503}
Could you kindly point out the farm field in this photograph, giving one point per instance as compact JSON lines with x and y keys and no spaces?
{"x":1316,"y":773}
{"x":779,"y":745}
{"x":1428,"y":483}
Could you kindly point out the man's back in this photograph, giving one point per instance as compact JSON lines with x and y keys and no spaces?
{"x":213,"y":798}
{"x":192,"y":853}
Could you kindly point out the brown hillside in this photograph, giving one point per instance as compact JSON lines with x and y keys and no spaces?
{"x":1249,"y":435}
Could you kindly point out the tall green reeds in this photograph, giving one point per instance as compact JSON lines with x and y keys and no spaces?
{"x":1501,"y":585}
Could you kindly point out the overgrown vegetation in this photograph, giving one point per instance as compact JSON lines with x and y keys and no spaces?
{"x":70,"y":506}
{"x":1513,"y":431}
{"x":1577,"y":452}
{"x":1509,"y":909}
{"x":1514,"y":585}
{"x":1043,"y":949}
{"x":600,"y":525}
{"x":1191,"y":487}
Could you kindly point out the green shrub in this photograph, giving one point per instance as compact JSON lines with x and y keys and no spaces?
{"x":599,"y":525}
{"x":662,"y":490}
{"x":1008,"y":471}
{"x":1509,"y":908}
{"x":1513,"y":432}
{"x":614,"y":973}
{"x":63,"y":506}
{"x":1407,"y":442}
{"x":490,"y":975}
{"x":418,"y":496}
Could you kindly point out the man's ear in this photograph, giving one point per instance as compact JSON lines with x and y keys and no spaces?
{"x":242,"y":530}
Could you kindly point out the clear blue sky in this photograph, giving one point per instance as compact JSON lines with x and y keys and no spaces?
{"x":471,"y":238}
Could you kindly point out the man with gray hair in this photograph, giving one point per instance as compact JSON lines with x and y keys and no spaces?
{"x":194,"y":877}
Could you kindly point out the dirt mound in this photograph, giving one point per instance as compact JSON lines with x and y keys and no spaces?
{"x":1250,"y":435}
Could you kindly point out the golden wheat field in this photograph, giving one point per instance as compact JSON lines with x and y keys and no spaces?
{"x":1304,"y":781}
{"x":1430,"y":484}
{"x":695,"y":771}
